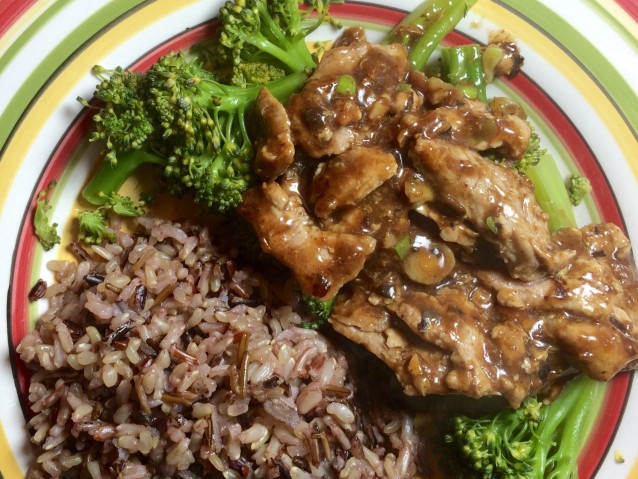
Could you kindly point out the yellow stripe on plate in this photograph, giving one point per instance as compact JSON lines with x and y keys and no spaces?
{"x":8,"y":466}
{"x":568,"y":68}
{"x":60,"y":89}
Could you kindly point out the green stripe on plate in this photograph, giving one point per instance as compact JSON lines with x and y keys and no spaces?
{"x":599,"y":67}
{"x":31,"y":31}
{"x":65,"y":49}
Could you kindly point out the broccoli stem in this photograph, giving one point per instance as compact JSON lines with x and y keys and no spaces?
{"x":463,"y":67}
{"x":571,"y":410}
{"x":432,"y":20}
{"x":578,"y":398}
{"x":110,"y":178}
{"x":551,"y":194}
{"x":284,"y":56}
{"x":295,"y":56}
{"x":231,"y":98}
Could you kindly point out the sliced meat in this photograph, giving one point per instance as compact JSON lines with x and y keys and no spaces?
{"x":383,"y":214}
{"x":451,"y":322}
{"x":443,"y":260}
{"x":472,"y":124}
{"x":321,"y":261}
{"x":349,"y":36}
{"x":419,"y":366}
{"x":600,"y":350}
{"x":474,"y":343}
{"x":435,"y":91}
{"x":447,"y":340}
{"x":274,"y":148}
{"x":496,"y":201}
{"x":327,"y":120}
{"x":596,"y":281}
{"x":589,"y":307}
{"x":350,"y":177}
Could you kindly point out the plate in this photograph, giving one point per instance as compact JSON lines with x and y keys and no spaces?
{"x":579,"y":85}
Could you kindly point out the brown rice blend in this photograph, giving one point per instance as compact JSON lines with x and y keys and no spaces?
{"x":159,"y":357}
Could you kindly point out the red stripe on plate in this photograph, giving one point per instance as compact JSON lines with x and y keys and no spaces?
{"x":10,"y":11}
{"x":27,"y":243}
{"x":629,"y":6}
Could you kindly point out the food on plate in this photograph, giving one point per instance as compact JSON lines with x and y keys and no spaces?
{"x":416,"y":215}
{"x":535,"y":440}
{"x":159,"y":356}
{"x":44,"y":229}
{"x":486,"y":301}
{"x":182,"y":116}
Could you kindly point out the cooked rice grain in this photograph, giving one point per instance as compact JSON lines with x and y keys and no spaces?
{"x":155,"y":359}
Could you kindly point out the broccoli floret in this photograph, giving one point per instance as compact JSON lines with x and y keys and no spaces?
{"x":578,"y":187}
{"x":532,"y":155}
{"x":536,"y":441}
{"x":319,"y":309}
{"x":179,"y":114}
{"x":125,"y":206}
{"x":45,"y":230}
{"x":93,"y":227}
{"x":271,"y":32}
{"x":123,"y":123}
{"x":256,"y":73}
{"x":194,"y":127}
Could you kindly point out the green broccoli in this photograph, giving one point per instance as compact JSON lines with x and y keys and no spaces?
{"x":578,"y":187}
{"x":532,"y":155}
{"x":463,"y":67}
{"x":536,"y":441}
{"x":93,"y":225}
{"x":549,"y":189}
{"x":271,"y":32}
{"x":319,"y":309}
{"x":422,"y":31}
{"x":256,"y":73}
{"x":178,"y":115}
{"x":45,"y":230}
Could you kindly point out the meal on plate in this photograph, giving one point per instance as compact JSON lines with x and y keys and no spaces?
{"x":372,"y":215}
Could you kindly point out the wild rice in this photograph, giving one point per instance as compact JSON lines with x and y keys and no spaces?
{"x":155,"y":359}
